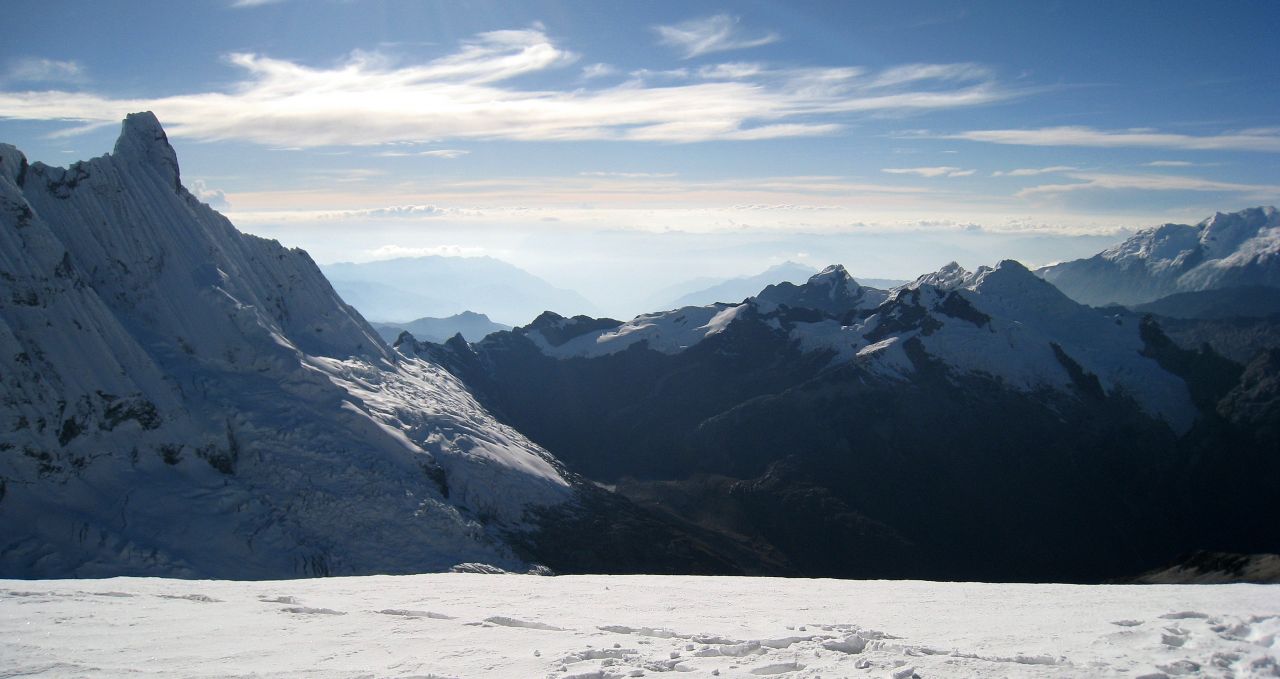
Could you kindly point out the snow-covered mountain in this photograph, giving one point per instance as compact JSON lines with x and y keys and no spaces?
{"x":1226,"y":250}
{"x":948,"y":428}
{"x":400,"y":290}
{"x":183,"y":399}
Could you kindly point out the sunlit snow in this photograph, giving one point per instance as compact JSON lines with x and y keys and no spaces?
{"x":512,"y":626}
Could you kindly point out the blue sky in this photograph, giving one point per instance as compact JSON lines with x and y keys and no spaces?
{"x":641,"y":141}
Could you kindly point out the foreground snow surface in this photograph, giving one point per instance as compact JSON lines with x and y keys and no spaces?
{"x":466,"y":625}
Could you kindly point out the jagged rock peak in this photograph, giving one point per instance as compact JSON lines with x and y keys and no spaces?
{"x":13,"y":164}
{"x":142,"y":139}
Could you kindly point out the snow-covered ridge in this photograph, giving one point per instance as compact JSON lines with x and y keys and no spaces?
{"x":1005,"y":322}
{"x":832,"y":291}
{"x":184,"y":399}
{"x":1226,"y":250}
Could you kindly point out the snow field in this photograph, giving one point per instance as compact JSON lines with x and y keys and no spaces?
{"x":511,"y":626}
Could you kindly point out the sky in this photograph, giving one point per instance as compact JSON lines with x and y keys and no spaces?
{"x":619,"y":147}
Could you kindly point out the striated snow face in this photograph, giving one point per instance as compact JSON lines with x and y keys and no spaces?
{"x":611,"y":627}
{"x":184,"y":399}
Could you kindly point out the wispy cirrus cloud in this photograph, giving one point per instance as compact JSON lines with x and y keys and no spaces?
{"x":474,"y":93}
{"x":598,"y":70}
{"x":719,"y":33}
{"x":939,"y":171}
{"x":447,"y":154}
{"x":1089,"y":181}
{"x":1034,"y":171}
{"x":629,"y":175}
{"x":1169,"y":163}
{"x":1267,"y":140}
{"x":730,"y":71}
{"x":39,"y":70}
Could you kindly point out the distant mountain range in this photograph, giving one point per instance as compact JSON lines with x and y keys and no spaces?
{"x":1238,"y":249}
{"x":968,"y":425}
{"x":401,"y":290}
{"x":702,"y":291}
{"x":709,"y":291}
{"x":472,"y":326}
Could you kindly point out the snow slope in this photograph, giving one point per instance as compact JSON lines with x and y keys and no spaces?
{"x":183,"y":399}
{"x":1225,"y":250}
{"x":602,"y":627}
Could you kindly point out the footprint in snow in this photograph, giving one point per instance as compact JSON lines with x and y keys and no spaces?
{"x":415,"y":614}
{"x":191,"y":597}
{"x":1184,"y":615}
{"x":777,"y":668}
{"x":307,"y":610}
{"x":513,"y":622}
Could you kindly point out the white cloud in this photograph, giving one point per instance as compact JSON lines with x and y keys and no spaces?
{"x":717,"y":33}
{"x":34,"y":69}
{"x":912,"y":73}
{"x":1169,"y":163}
{"x":628,"y":175}
{"x":669,"y":74}
{"x":940,"y":171}
{"x":1150,"y":182}
{"x":448,"y":154}
{"x":253,"y":3}
{"x":469,"y":94}
{"x":397,"y":251}
{"x":1244,"y":140}
{"x":215,"y":198}
{"x":598,"y":71}
{"x":730,"y":71}
{"x":1033,"y":171}
{"x":396,"y":211}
